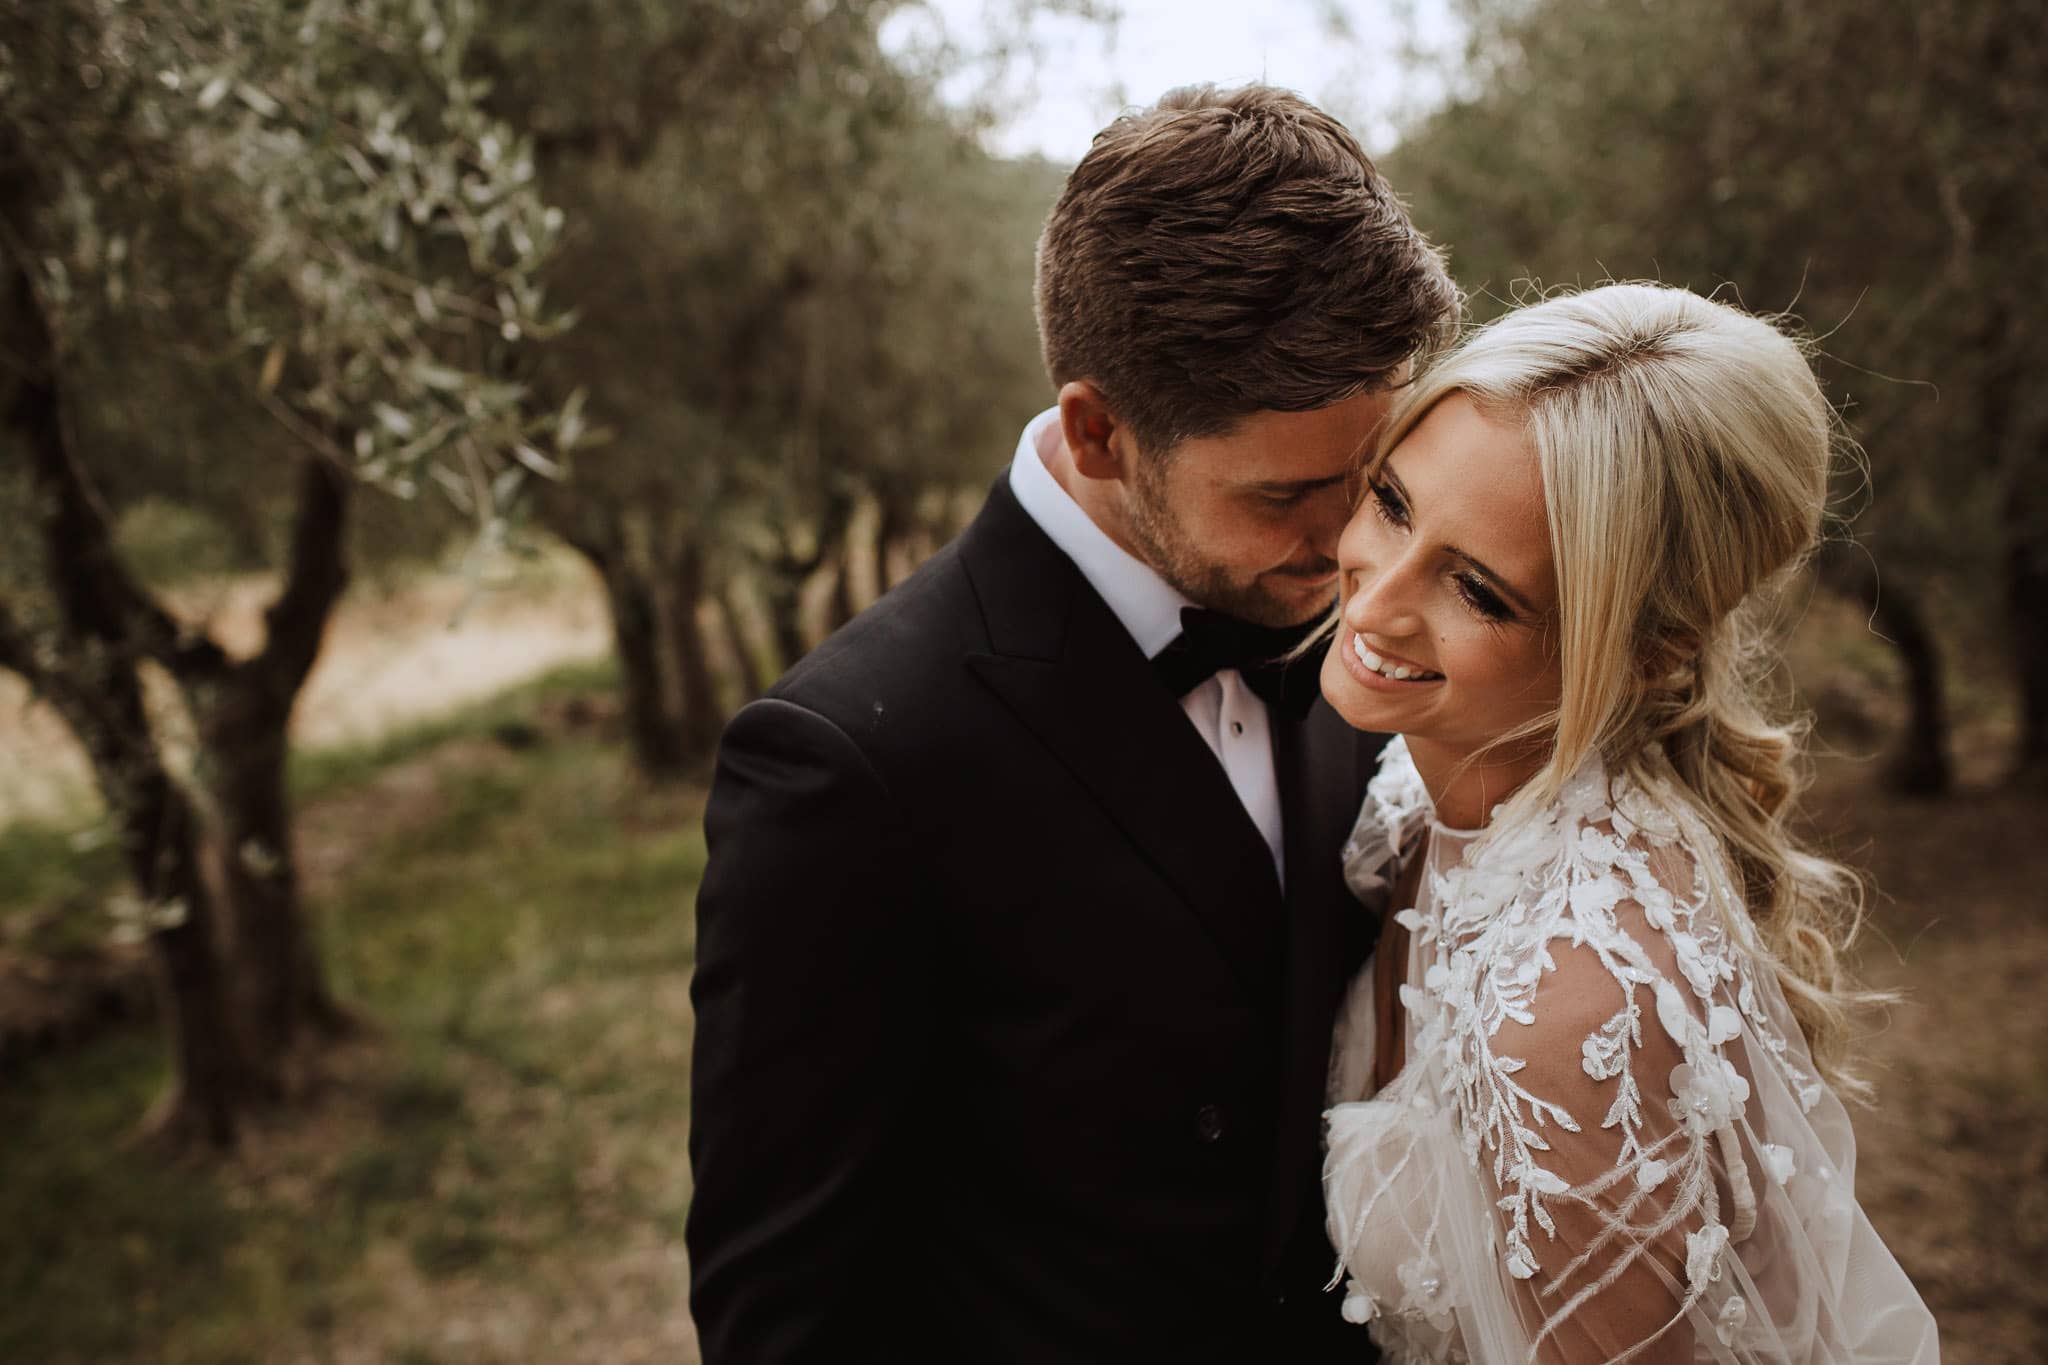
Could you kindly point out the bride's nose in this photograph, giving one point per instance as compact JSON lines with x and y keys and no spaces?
{"x":1383,"y":600}
{"x":1378,"y":597}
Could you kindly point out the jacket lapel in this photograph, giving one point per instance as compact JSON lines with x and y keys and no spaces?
{"x":1066,"y":667}
{"x":1322,"y":766}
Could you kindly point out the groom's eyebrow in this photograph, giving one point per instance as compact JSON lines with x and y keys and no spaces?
{"x":1296,"y":485}
{"x":1508,"y":589}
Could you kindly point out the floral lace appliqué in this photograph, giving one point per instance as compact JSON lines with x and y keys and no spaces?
{"x":1499,"y":916}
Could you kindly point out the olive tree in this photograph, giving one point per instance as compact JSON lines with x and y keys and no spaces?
{"x":311,"y":203}
{"x":803,"y":293}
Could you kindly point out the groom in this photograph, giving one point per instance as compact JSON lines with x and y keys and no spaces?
{"x":1023,"y":926}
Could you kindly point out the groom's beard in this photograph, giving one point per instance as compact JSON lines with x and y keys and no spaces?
{"x":1279,"y":596}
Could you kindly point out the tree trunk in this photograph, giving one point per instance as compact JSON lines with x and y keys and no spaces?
{"x":2026,"y":605}
{"x":214,"y":1078}
{"x":697,"y":692}
{"x":653,"y":731}
{"x":288,"y":1007}
{"x":1921,"y":765}
{"x":785,"y":594}
{"x":244,"y":717}
{"x":791,"y":573}
{"x":839,"y":607}
{"x":893,"y":525}
{"x":654,"y":737}
{"x":751,"y":684}
{"x":87,"y":667}
{"x":658,"y":738}
{"x":97,"y":692}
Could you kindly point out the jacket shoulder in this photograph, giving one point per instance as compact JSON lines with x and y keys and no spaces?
{"x":906,"y":649}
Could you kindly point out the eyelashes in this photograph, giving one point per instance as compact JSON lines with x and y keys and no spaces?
{"x":1387,"y":503}
{"x":1471,"y":588}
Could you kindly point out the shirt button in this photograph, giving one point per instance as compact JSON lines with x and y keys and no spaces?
{"x":1237,"y":727}
{"x":1209,"y":1124}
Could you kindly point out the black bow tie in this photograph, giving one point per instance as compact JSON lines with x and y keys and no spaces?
{"x":1210,"y":642}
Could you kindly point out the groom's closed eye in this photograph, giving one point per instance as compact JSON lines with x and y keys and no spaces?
{"x":1289,"y":493}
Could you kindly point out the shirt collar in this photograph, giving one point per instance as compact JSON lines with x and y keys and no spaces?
{"x":1147,"y":604}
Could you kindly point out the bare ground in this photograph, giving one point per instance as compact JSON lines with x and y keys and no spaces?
{"x":1953,"y":1166}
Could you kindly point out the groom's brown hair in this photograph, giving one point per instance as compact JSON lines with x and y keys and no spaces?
{"x":1228,"y":251}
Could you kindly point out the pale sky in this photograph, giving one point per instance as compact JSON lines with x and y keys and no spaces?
{"x":1080,"y":73}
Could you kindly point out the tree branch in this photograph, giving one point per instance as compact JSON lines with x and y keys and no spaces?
{"x":296,"y":621}
{"x":94,"y":591}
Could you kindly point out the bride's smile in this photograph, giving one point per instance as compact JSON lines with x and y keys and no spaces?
{"x":1378,"y":671}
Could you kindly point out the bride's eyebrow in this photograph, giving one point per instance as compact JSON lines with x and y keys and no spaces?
{"x":1500,"y":581}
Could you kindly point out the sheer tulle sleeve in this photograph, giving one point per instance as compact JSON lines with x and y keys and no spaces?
{"x":1602,"y":1190}
{"x":1667,"y":1179}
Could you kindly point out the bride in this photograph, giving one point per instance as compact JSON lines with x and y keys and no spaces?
{"x":1584,"y":1102}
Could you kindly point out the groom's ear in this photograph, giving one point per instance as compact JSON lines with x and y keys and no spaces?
{"x":1101,"y":446}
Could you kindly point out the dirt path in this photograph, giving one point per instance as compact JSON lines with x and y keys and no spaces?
{"x":391,"y":656}
{"x":1953,"y":1159}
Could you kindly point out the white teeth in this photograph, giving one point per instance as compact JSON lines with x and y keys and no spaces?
{"x":1397,"y":672}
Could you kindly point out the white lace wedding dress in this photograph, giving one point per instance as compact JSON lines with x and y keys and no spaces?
{"x":1607,"y":1141}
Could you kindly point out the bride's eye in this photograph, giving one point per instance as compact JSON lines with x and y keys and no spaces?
{"x":1388,"y":505}
{"x":1483,"y":600}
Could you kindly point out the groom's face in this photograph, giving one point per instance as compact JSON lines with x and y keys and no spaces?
{"x":1247,"y":522}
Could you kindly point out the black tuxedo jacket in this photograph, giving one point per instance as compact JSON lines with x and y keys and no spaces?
{"x":1009,"y":1047}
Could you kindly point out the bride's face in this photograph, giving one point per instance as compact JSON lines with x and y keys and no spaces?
{"x":1445,"y":573}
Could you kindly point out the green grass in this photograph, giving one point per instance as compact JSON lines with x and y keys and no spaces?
{"x":316,"y":772}
{"x":522,"y":943}
{"x":66,"y":874}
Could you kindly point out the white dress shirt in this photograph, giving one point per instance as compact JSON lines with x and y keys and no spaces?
{"x":1227,"y":714}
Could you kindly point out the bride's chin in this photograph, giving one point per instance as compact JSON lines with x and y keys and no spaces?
{"x":1358,"y":708}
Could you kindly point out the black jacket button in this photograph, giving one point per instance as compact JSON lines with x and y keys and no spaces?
{"x":1209,"y":1124}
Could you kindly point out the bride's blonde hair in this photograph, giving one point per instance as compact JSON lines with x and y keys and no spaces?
{"x":1685,"y":449}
